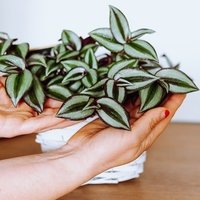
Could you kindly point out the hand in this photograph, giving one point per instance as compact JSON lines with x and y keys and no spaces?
{"x":104,"y":147}
{"x":24,"y":120}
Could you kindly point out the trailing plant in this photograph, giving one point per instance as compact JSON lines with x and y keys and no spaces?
{"x":89,"y":84}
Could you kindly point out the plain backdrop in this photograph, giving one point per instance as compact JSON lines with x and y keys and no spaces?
{"x":176,"y":22}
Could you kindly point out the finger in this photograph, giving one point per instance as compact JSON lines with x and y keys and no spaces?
{"x":51,"y":103}
{"x":172,"y":104}
{"x":145,"y":124}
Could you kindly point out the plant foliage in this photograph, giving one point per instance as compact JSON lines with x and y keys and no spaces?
{"x":89,"y":84}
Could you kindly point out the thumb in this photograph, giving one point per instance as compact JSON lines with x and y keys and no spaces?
{"x":145,"y":124}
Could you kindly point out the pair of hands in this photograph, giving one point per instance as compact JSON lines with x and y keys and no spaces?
{"x":96,"y":144}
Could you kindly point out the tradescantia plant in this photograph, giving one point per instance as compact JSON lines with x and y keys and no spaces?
{"x":89,"y":84}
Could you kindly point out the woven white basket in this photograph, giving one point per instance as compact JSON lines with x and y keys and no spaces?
{"x":56,"y":138}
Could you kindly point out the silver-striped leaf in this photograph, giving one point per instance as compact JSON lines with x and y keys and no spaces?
{"x":178,"y":81}
{"x":140,"y":49}
{"x":90,"y":59}
{"x":90,"y":78}
{"x":104,"y":37}
{"x":115,"y":92}
{"x":71,"y":39}
{"x":140,"y":32}
{"x":69,"y":64}
{"x":21,"y":50}
{"x":137,"y":79}
{"x":96,"y":90}
{"x":151,"y":96}
{"x":58,"y":92}
{"x":116,"y":67}
{"x":5,"y":45}
{"x":51,"y":67}
{"x":55,"y":80}
{"x":112,"y":113}
{"x":86,"y":47}
{"x":66,"y":55}
{"x":75,"y":86}
{"x":119,"y":25}
{"x":74,"y":74}
{"x":12,"y":61}
{"x":35,"y":97}
{"x":37,"y":59}
{"x":73,"y":108}
{"x":18,"y":84}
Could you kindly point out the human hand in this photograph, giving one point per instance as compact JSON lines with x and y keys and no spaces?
{"x":20,"y":120}
{"x":104,"y":147}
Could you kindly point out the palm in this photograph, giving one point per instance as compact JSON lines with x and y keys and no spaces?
{"x":97,"y":142}
{"x":24,"y":120}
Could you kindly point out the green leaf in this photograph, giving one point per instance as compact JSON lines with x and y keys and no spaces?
{"x":178,"y":81}
{"x":71,"y":39}
{"x":7,"y":69}
{"x":18,"y":84}
{"x":37,"y":59}
{"x":88,"y":46}
{"x":4,"y":36}
{"x":112,"y":113}
{"x":90,"y":59}
{"x":90,"y":104}
{"x":140,"y":32}
{"x":137,"y":79}
{"x":56,"y":80}
{"x":96,"y":90}
{"x":12,"y":61}
{"x":119,"y":25}
{"x":60,"y":48}
{"x":51,"y":67}
{"x":73,"y":108}
{"x":104,"y":37}
{"x":21,"y":50}
{"x":90,"y":78}
{"x":66,"y":55}
{"x":74,"y":74}
{"x":4,"y":46}
{"x":58,"y":92}
{"x":140,"y":49}
{"x":116,"y":67}
{"x":35,"y":97}
{"x":75,"y":86}
{"x":102,"y":71}
{"x":115,"y":92}
{"x":151,"y":96}
{"x":69,"y":64}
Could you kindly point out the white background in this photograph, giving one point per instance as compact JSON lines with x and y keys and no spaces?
{"x":176,"y":22}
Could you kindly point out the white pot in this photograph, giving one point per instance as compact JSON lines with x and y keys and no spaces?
{"x":56,"y":138}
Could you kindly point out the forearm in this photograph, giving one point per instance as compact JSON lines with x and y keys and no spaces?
{"x":44,"y":176}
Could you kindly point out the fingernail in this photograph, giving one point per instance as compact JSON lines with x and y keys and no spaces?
{"x":165,"y":114}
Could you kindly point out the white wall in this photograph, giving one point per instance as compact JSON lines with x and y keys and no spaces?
{"x":40,"y":22}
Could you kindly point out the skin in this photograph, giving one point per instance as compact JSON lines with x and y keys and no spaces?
{"x":92,"y":150}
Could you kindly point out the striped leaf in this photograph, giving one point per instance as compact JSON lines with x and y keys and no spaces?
{"x":75,"y":86}
{"x":102,"y":71}
{"x":90,"y":78}
{"x":86,"y":47}
{"x":21,"y":50}
{"x":51,"y":67}
{"x":37,"y":59}
{"x":73,"y":108}
{"x":137,"y":79}
{"x":4,"y":46}
{"x":69,"y":64}
{"x":58,"y":92}
{"x":151,"y":96}
{"x":119,"y":25}
{"x":66,"y":55}
{"x":74,"y":74}
{"x":140,"y":32}
{"x":35,"y":97}
{"x":71,"y":39}
{"x":60,"y":48}
{"x":140,"y":49}
{"x":178,"y":81}
{"x":90,"y":104}
{"x":112,"y":113}
{"x":18,"y":84}
{"x":12,"y":61}
{"x":90,"y":59}
{"x":8,"y":69}
{"x":116,"y":67}
{"x":4,"y":36}
{"x":96,"y":90}
{"x":115,"y":92}
{"x":55,"y":80}
{"x":104,"y":37}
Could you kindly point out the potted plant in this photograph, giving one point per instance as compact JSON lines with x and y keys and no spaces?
{"x":91,"y":85}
